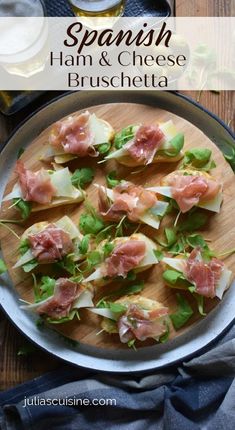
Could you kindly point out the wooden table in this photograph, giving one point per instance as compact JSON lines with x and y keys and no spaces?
{"x":16,"y":369}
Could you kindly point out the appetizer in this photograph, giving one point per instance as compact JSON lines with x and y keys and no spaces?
{"x":46,"y":243}
{"x":133,"y":201}
{"x":191,"y":188}
{"x":134,"y":318}
{"x":44,"y":188}
{"x":140,"y":145}
{"x":126,"y":254}
{"x":78,"y":136}
{"x":59,"y":300}
{"x":204,"y":275}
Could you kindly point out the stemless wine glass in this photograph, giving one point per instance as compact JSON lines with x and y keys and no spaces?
{"x":98,"y":8}
{"x":27,"y":55}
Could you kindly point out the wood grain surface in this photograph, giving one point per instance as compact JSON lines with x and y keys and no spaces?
{"x":218,"y":230}
{"x":16,"y":369}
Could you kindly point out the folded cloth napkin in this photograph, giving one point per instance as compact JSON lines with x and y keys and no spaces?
{"x":198,"y":395}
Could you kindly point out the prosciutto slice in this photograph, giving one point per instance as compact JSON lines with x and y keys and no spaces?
{"x":189,"y":190}
{"x":140,"y":324}
{"x":125,"y":257}
{"x":145,"y":143}
{"x":60,"y":304}
{"x":35,"y":186}
{"x":129,"y":199}
{"x":73,"y":136}
{"x":204,"y":275}
{"x":51,"y":244}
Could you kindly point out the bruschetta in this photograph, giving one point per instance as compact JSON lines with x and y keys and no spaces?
{"x":191,"y":188}
{"x":133,"y":201}
{"x":78,"y":136}
{"x":140,"y":145}
{"x":207,"y":277}
{"x":134,"y":318}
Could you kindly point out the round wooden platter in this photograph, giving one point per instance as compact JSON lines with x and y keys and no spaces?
{"x":218,"y":230}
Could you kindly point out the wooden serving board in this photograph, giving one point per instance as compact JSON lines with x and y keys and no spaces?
{"x":219,"y":231}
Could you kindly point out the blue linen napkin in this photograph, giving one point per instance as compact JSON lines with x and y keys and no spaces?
{"x":198,"y":395}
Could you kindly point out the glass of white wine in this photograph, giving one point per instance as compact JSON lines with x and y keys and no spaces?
{"x":21,"y":53}
{"x":98,"y":8}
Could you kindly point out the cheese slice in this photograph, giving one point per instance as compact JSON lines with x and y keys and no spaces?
{"x":176,"y":263}
{"x":66,"y":224}
{"x":26,"y":258}
{"x":84,"y":300}
{"x":105,"y":312}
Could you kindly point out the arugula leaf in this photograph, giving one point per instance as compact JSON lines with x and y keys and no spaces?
{"x":114,"y":307}
{"x":131,"y":344}
{"x":3,"y":267}
{"x":130,"y":289}
{"x":107,"y":249}
{"x":200,"y":304}
{"x":94,"y":258}
{"x":67,"y":264}
{"x":112,"y":180}
{"x":183,"y":313}
{"x":159,"y":254}
{"x":131,"y":276}
{"x":176,"y":143}
{"x":24,"y":246}
{"x":47,"y":287}
{"x":24,"y":207}
{"x":84,"y":244}
{"x":228,"y":150}
{"x":170,"y":236}
{"x":74,"y":313}
{"x":27,"y":267}
{"x":173,"y":277}
{"x":166,"y":335}
{"x":194,"y":221}
{"x":198,"y":158}
{"x":195,"y":240}
{"x":82,"y":177}
{"x":124,"y":136}
{"x":117,"y":307}
{"x":104,"y":233}
{"x":90,"y":223}
{"x":104,"y":148}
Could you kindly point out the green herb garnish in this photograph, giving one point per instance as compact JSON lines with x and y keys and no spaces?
{"x":112,"y":180}
{"x":24,"y":207}
{"x":3,"y":267}
{"x":82,"y":177}
{"x":198,"y":158}
{"x":124,"y":136}
{"x":183,"y":313}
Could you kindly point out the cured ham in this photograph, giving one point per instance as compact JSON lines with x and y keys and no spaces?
{"x":125,"y":257}
{"x":189,"y":190}
{"x":141,"y":324}
{"x":51,"y":244}
{"x":204,"y":275}
{"x":60,"y":304}
{"x":145,"y":144}
{"x":35,"y":186}
{"x":129,"y":199}
{"x":74,"y":136}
